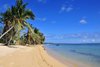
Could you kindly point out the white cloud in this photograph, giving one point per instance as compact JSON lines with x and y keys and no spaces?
{"x":67,"y":35}
{"x":62,"y":36}
{"x":44,"y":1}
{"x":69,"y":9}
{"x":63,"y":8}
{"x":5,"y":6}
{"x":83,"y":21}
{"x":47,"y":35}
{"x":84,"y":36}
{"x":84,"y":40}
{"x":53,"y":21}
{"x":93,"y":40}
{"x":42,"y":19}
{"x":66,"y":9}
{"x":50,"y":36}
{"x":81,"y":35}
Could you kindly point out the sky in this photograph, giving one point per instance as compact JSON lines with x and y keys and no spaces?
{"x":64,"y":21}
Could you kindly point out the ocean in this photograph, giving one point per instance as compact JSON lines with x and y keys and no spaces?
{"x":81,"y":55}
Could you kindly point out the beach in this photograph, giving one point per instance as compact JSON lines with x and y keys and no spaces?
{"x":27,"y":56}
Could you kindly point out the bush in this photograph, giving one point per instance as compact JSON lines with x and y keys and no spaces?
{"x":1,"y":42}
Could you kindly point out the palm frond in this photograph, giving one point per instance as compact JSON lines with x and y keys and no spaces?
{"x":32,"y":31}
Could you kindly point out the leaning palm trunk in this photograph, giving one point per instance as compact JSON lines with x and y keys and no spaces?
{"x":9,"y":40}
{"x":11,"y":37}
{"x":6,"y":32}
{"x":5,"y":29}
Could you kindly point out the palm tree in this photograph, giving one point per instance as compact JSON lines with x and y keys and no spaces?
{"x":29,"y":35}
{"x":42,"y":38}
{"x":16,"y":17}
{"x":5,"y":18}
{"x":30,"y":38}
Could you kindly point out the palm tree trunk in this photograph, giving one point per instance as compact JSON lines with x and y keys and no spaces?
{"x":9,"y":40}
{"x":6,"y":32}
{"x":11,"y":37}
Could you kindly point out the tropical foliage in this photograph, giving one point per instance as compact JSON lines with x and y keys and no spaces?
{"x":14,"y":20}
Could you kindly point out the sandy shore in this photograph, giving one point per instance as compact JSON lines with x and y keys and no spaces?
{"x":22,"y":56}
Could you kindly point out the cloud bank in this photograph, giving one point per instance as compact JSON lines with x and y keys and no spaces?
{"x":81,"y":35}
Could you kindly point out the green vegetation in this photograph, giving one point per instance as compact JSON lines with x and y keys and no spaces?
{"x":14,"y":20}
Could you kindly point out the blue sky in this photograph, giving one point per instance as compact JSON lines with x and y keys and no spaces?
{"x":64,"y":21}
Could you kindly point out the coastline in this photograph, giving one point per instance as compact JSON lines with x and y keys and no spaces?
{"x":60,"y":58}
{"x":32,"y":56}
{"x":71,"y":62}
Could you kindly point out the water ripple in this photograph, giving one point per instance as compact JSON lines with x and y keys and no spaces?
{"x":89,"y":54}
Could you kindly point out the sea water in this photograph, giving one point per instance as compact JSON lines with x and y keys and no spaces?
{"x":88,"y":55}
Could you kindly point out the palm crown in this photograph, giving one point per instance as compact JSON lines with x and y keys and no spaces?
{"x":16,"y":17}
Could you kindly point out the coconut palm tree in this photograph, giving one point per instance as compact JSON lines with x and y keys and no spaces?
{"x":16,"y":17}
{"x":30,"y":38}
{"x":42,"y":38}
{"x":5,"y":18}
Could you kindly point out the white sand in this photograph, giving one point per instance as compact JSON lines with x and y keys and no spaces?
{"x":4,"y":50}
{"x":21,"y":56}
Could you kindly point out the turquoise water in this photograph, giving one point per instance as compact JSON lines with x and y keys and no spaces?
{"x":88,"y":54}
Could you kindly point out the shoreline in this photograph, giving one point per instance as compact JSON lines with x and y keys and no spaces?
{"x":32,"y":56}
{"x":58,"y":57}
{"x":67,"y":60}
